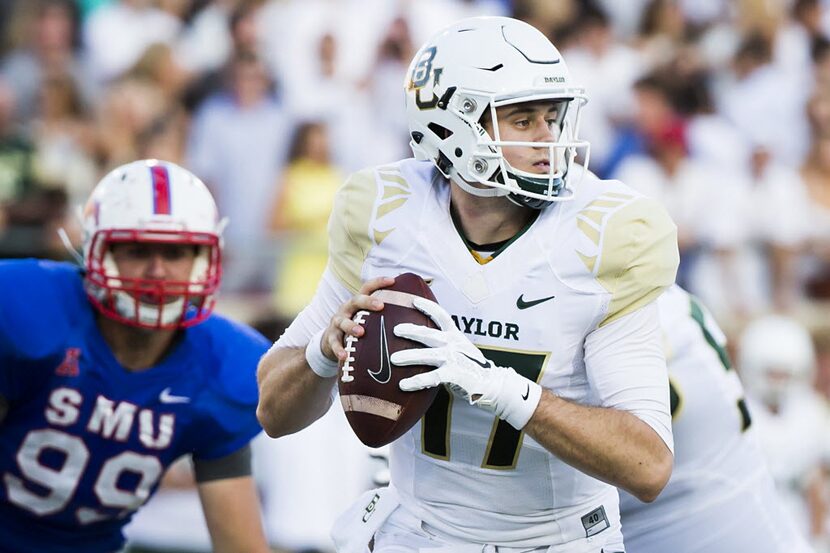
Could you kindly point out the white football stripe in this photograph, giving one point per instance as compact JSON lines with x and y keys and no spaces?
{"x":402,"y":299}
{"x":371,"y":405}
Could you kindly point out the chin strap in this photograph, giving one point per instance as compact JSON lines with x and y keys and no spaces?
{"x":485,"y":192}
{"x":524,"y":201}
{"x":67,"y":243}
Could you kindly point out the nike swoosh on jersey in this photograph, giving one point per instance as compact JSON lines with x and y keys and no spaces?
{"x":521,"y":303}
{"x":384,"y":373}
{"x":166,"y":397}
{"x":527,"y":393}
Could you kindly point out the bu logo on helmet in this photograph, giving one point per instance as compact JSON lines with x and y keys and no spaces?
{"x":422,"y":74}
{"x":423,"y":69}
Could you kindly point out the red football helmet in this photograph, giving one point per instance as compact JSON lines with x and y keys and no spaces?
{"x":154,"y":202}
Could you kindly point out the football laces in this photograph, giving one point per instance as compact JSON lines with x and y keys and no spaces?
{"x":347,"y":369}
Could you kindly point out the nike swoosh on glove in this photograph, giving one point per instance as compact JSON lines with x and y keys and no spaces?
{"x":463,"y":367}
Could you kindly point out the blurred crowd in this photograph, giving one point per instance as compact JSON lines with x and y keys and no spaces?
{"x":720,"y":108}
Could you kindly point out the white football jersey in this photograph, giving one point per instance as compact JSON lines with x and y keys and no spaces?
{"x":720,"y":497}
{"x":794,"y":442}
{"x":581,"y":265}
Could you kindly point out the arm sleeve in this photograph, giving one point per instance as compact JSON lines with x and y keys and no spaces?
{"x":627,"y":369}
{"x":233,"y":465}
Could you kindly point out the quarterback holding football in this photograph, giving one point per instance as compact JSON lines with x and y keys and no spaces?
{"x":552,"y":383}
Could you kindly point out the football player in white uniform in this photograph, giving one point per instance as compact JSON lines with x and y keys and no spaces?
{"x":548,"y":334}
{"x":777,"y":362}
{"x":720,"y":498}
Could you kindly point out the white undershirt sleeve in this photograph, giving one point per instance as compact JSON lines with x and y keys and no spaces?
{"x":626,"y":368}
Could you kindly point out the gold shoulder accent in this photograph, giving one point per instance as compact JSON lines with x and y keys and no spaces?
{"x":380,"y":235}
{"x":590,"y":261}
{"x":620,"y":195}
{"x":349,"y":233}
{"x":639,"y":256}
{"x":393,"y":177}
{"x":395,"y":192}
{"x":389,"y":206}
{"x":589,"y":230}
{"x":591,"y":220}
{"x":392,"y":191}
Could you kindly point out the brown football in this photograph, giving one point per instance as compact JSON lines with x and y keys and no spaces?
{"x":378,"y":411}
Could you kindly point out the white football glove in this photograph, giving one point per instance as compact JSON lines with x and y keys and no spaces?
{"x":463,"y":367}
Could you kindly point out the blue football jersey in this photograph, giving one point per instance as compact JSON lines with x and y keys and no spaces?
{"x":85,"y":442}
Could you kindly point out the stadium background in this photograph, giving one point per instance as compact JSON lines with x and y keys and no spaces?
{"x":720,"y":108}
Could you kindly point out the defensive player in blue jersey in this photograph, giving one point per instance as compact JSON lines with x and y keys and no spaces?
{"x":111,"y":372}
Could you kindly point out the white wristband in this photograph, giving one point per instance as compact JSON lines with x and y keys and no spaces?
{"x":519,"y":399}
{"x":317,"y":361}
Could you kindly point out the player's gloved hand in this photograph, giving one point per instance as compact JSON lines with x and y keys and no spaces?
{"x":464,"y":368}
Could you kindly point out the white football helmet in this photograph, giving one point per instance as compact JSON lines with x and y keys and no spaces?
{"x":470,"y":69}
{"x":776,"y":358}
{"x":157,"y":202}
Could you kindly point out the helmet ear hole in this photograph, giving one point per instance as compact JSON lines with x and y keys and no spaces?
{"x":441,"y":132}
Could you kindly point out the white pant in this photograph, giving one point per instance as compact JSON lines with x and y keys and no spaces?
{"x":405,"y":533}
